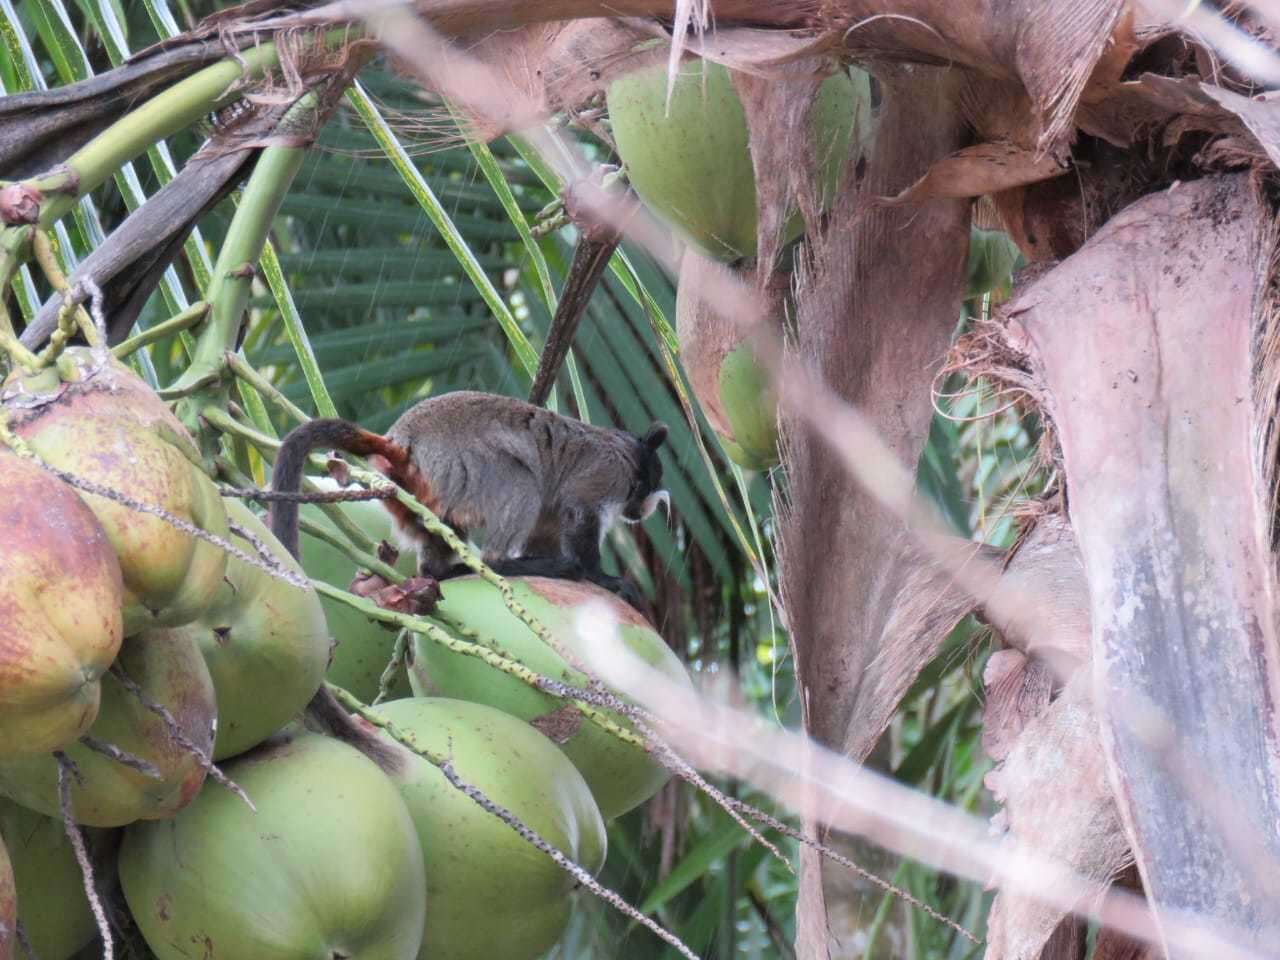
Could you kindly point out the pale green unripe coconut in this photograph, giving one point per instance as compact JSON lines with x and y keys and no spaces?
{"x":489,"y":892}
{"x":52,"y":906}
{"x":621,"y":776}
{"x":361,"y":647}
{"x":691,"y":163}
{"x":264,"y":641}
{"x":328,"y":867}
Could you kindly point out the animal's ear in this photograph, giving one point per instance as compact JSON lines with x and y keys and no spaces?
{"x":655,"y":435}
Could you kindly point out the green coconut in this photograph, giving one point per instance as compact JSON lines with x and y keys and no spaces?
{"x":60,"y":600}
{"x":692,"y":165}
{"x":993,"y":257}
{"x":329,"y":867}
{"x":52,"y":905}
{"x":114,"y":431}
{"x":732,"y":389}
{"x":361,"y":647}
{"x":751,"y":407}
{"x":264,"y":641}
{"x":107,"y":793}
{"x":489,"y":892}
{"x":621,"y":776}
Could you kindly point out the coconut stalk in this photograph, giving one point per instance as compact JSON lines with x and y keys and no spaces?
{"x":52,"y":194}
{"x":235,"y":268}
{"x":591,"y":255}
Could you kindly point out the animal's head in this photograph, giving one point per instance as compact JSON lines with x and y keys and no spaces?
{"x":646,"y":486}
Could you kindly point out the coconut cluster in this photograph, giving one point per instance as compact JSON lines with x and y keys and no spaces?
{"x":134,"y":655}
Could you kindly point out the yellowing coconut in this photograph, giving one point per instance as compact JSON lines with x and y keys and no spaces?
{"x":621,"y":776}
{"x":329,"y":867}
{"x":170,"y":671}
{"x":60,"y":602}
{"x":264,"y":641}
{"x":112,"y":430}
{"x":489,"y":892}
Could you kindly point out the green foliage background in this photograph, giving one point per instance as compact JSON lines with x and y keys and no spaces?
{"x":392,"y":312}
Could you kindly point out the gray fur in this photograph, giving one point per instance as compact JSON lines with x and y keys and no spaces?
{"x":517,"y":478}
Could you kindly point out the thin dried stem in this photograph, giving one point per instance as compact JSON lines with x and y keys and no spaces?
{"x":122,"y":757}
{"x":66,"y":770}
{"x":399,"y":656}
{"x":318,"y":496}
{"x":177,"y":734}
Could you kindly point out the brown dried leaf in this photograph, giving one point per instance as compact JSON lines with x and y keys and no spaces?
{"x":559,"y":725}
{"x":1051,"y":49}
{"x":778,"y":113}
{"x":978,"y":170}
{"x":1261,"y":114}
{"x":1017,"y":692}
{"x":417,"y":596}
{"x":1130,"y":110}
{"x":1047,"y":564}
{"x":559,"y":65}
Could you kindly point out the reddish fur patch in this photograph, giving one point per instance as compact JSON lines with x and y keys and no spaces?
{"x":394,"y":462}
{"x":412,"y":479}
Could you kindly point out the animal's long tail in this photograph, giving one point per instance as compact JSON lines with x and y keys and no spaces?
{"x":324,"y":709}
{"x":292,"y":458}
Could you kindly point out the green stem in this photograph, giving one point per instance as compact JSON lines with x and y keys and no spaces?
{"x":219,"y":419}
{"x":395,"y":664}
{"x":241,"y":368}
{"x":166,"y":328}
{"x":357,"y":556}
{"x":297,"y":334}
{"x":235,"y":268}
{"x":163,"y":115}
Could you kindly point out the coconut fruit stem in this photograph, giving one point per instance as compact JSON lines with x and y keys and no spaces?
{"x":233,"y":273}
{"x":66,"y":770}
{"x":188,"y":318}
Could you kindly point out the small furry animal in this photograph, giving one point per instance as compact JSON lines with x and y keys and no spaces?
{"x":538,"y":490}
